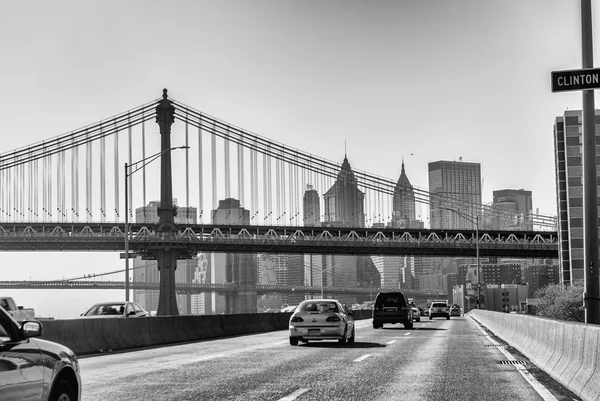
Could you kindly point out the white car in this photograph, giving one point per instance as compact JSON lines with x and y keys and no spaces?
{"x":321,"y":319}
{"x":439,"y":309}
{"x":115,"y":310}
{"x":416,"y":313}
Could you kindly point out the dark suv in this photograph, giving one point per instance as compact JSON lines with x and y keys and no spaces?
{"x":392,"y":307}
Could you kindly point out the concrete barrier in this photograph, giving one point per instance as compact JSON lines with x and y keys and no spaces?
{"x":88,"y":336}
{"x":567,"y":351}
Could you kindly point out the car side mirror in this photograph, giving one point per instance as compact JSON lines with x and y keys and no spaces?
{"x":31,"y":329}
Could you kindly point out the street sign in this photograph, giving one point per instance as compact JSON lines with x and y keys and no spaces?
{"x":132,"y":255}
{"x":572,"y":80}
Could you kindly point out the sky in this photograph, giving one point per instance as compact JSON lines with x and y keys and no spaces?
{"x":381,"y":81}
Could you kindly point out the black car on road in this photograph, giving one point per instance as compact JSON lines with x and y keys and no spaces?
{"x":392,"y":307}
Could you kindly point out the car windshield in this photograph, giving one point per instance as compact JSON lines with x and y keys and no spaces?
{"x":392,"y":299}
{"x":439,"y":305}
{"x":106,"y":309}
{"x":318,"y":307}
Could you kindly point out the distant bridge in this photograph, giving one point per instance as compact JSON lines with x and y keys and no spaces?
{"x":199,"y":288}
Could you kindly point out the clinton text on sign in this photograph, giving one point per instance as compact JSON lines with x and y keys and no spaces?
{"x":572,"y":80}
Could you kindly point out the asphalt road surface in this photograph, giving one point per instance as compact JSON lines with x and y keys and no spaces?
{"x":436,"y":360}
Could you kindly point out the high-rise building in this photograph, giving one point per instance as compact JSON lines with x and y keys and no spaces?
{"x":237,"y":268}
{"x":389,"y":268}
{"x":344,"y":202}
{"x":403,"y":210}
{"x":569,"y":185}
{"x":146,"y":271}
{"x":539,"y":276}
{"x":311,"y":207}
{"x":344,"y":207}
{"x":285,"y":269}
{"x":509,"y":273}
{"x":513,"y":210}
{"x":455,"y":192}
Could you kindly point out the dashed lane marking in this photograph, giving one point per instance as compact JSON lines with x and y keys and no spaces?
{"x":362,"y":358}
{"x":537,"y":386}
{"x":391,"y":342}
{"x":295,"y":394}
{"x":406,"y":334}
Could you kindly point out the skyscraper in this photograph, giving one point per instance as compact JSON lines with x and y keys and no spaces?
{"x":147,"y":270}
{"x":344,"y":202}
{"x":311,"y":207}
{"x":344,"y":207}
{"x":515,"y":210}
{"x":455,"y":192}
{"x":403,"y":211}
{"x":569,"y":186}
{"x":237,"y":268}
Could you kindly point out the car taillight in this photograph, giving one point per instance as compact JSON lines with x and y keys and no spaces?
{"x":333,"y":319}
{"x":297,"y":319}
{"x":377,"y":309}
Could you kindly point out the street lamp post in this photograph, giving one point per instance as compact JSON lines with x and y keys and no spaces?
{"x":145,"y":161}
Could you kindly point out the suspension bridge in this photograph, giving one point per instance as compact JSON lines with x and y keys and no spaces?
{"x":64,"y":194}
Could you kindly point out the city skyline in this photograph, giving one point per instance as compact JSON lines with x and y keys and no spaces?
{"x":422,"y":81}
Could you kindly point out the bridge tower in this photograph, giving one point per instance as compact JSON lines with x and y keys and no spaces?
{"x":168,"y":252}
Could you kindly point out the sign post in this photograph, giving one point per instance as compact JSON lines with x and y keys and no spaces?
{"x":587,"y":79}
{"x":590,"y":186}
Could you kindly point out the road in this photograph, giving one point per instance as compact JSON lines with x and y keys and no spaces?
{"x":436,"y":360}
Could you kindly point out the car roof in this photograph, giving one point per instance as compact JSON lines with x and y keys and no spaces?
{"x":320,"y":300}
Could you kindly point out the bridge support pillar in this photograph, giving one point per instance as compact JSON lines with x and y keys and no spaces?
{"x":167,"y":300}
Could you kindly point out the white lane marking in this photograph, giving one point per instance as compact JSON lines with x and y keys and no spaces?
{"x":407,"y":334}
{"x":391,"y":342}
{"x":362,"y":358}
{"x":204,"y":358}
{"x":537,"y":386}
{"x":295,"y":394}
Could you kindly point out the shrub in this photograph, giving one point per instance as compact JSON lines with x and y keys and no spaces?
{"x":560,"y":303}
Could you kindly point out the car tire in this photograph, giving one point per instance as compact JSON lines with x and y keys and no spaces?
{"x":343,"y":339}
{"x":408,"y":325}
{"x":293,"y":341}
{"x":418,"y":319}
{"x":351,"y":339}
{"x":447,"y":317}
{"x":62,"y":392}
{"x":430,"y":318}
{"x":375,"y":325}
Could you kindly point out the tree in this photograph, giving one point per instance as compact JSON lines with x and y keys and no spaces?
{"x":560,"y":303}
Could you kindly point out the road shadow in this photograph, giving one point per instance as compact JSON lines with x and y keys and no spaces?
{"x":335,"y":344}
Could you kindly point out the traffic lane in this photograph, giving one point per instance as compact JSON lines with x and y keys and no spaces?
{"x":453,"y":363}
{"x":390,"y":363}
{"x":234,"y":368}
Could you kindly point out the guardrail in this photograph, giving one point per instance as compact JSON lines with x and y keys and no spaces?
{"x":90,"y":336}
{"x":567,"y":351}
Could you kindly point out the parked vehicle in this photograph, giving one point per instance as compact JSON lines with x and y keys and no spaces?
{"x":392,"y":307}
{"x":35,"y":369}
{"x":17,"y":312}
{"x":321,"y":319}
{"x":439,"y":309}
{"x":115,"y":310}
